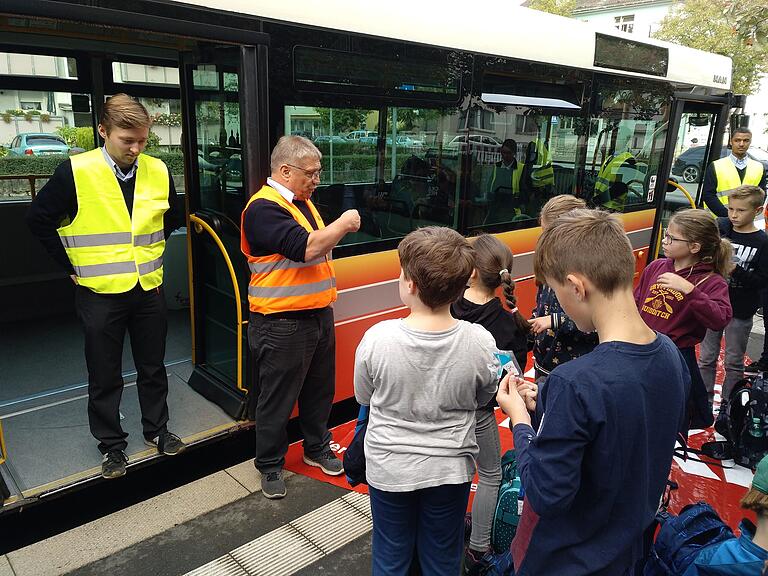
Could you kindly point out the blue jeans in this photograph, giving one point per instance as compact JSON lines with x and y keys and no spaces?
{"x":429,"y":521}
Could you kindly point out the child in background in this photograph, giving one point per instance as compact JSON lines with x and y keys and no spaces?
{"x":594,"y":472}
{"x":747,"y":281}
{"x":556,"y":337}
{"x":747,"y":555}
{"x":686,"y":293}
{"x":424,"y":377}
{"x":493,"y":267}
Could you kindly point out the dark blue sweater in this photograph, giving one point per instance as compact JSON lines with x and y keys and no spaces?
{"x":595,"y":472}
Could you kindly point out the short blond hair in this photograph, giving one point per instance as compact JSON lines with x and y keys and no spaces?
{"x":122,"y":111}
{"x":292,"y":149}
{"x":588,"y":242}
{"x":559,"y":205}
{"x":439,"y":261}
{"x":753,"y":194}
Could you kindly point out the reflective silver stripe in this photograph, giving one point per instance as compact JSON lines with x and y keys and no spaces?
{"x":93,"y":270}
{"x":285,"y":264}
{"x":147,"y":239}
{"x":86,"y":240}
{"x":150,"y":266}
{"x":285,"y":291}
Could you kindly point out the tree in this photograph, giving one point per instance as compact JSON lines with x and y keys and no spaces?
{"x":711,"y":25}
{"x":559,"y":7}
{"x":344,"y":119}
{"x":751,"y":19}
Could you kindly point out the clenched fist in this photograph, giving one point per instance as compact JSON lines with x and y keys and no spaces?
{"x":350,"y":220}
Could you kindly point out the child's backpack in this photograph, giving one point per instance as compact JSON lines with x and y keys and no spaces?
{"x":681,"y":539}
{"x":743,"y":421}
{"x":508,"y":505}
{"x":500,"y":565}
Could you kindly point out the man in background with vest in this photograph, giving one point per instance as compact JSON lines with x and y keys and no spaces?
{"x":731,"y":172}
{"x":104,"y":216}
{"x":290,"y":332}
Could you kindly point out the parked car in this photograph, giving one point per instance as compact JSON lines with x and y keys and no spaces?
{"x":37,"y":144}
{"x":461,"y":140}
{"x":360,"y":134}
{"x":329,"y":139}
{"x":690,"y":164}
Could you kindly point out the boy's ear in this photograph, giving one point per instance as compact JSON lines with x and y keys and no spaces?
{"x":411,"y":286}
{"x":577,"y":283}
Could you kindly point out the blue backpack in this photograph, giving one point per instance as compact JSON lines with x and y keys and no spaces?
{"x":681,"y":539}
{"x":507,"y":514}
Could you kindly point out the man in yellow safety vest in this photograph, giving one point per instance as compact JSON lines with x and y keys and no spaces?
{"x":291,"y":331}
{"x":731,"y":172}
{"x":104,"y":216}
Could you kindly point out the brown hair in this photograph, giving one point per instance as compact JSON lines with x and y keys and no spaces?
{"x":698,"y":226}
{"x":439,"y":261}
{"x":122,"y":111}
{"x":756,"y":501}
{"x":557,"y":206}
{"x":754,"y":194}
{"x":493,"y":262}
{"x":588,"y":242}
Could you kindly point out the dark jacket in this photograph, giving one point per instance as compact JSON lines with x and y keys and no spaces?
{"x":750,"y":276}
{"x":564,"y":341}
{"x":499,"y":322}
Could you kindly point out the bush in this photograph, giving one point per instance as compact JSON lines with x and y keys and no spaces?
{"x":23,"y":165}
{"x":77,"y":137}
{"x":174,"y":160}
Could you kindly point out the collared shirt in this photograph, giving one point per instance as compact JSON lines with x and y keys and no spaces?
{"x":118,"y":171}
{"x":740,"y":163}
{"x":284,"y":192}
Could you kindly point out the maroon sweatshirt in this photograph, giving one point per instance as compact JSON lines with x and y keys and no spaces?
{"x":684,"y":318}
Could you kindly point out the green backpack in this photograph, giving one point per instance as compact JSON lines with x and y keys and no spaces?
{"x":508,"y":505}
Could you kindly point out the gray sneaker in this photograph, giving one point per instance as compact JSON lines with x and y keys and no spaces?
{"x":113,"y":464}
{"x":167,"y":443}
{"x":273,"y":485}
{"x":327,"y":462}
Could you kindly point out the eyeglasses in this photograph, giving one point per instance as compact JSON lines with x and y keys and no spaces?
{"x":669,"y":238}
{"x":308,"y":173}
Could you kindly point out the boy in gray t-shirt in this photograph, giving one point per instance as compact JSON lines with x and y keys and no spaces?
{"x":423,"y":377}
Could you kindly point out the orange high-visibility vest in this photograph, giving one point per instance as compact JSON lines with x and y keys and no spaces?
{"x":282,"y":285}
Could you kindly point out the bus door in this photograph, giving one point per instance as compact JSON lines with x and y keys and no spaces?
{"x":226,"y":140}
{"x":695,"y":138}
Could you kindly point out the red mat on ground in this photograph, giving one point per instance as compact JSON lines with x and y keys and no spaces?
{"x":722,"y":488}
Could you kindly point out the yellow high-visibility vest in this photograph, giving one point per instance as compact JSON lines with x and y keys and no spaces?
{"x":728,"y":176}
{"x":281,"y":285}
{"x":542,"y":174}
{"x":514,"y":183}
{"x":110,"y":249}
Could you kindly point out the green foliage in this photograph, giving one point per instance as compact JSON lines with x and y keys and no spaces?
{"x":3,"y":151}
{"x":23,"y":165}
{"x":174,"y":160}
{"x":344,"y":120}
{"x":751,"y":20}
{"x":559,"y":7}
{"x":710,"y":25}
{"x":167,"y":119}
{"x":81,"y":137}
{"x":153,"y":141}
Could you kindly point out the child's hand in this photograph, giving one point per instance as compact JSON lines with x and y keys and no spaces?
{"x":511,"y":402}
{"x":529,"y":392}
{"x":539,"y":325}
{"x":672,"y":281}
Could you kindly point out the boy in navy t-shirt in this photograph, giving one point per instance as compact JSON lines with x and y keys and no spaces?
{"x":595,"y":471}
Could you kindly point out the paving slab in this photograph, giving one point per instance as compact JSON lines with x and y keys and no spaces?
{"x":5,"y":567}
{"x":116,"y":532}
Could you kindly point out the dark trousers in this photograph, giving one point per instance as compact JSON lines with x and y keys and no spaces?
{"x":764,"y":304}
{"x":699,"y":409}
{"x":105,"y":319}
{"x":294,"y":360}
{"x":428,"y":523}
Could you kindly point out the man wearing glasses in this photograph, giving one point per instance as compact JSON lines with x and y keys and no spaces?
{"x":290,"y":332}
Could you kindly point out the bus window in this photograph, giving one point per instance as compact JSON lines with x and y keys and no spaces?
{"x":421,"y":170}
{"x":626,"y":144}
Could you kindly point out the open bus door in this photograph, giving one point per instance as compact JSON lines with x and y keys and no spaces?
{"x":694,"y":140}
{"x":225,"y":112}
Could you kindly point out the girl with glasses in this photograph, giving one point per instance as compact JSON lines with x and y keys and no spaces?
{"x":686,"y":292}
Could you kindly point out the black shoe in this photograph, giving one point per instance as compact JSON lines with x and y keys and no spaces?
{"x":476,"y":563}
{"x":273,"y":485}
{"x":755,"y":367}
{"x":114,"y":463}
{"x":167,"y":443}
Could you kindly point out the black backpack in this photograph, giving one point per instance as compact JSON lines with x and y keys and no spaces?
{"x":743,"y":421}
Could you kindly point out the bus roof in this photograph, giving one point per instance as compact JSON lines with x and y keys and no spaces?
{"x":493,"y":27}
